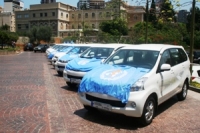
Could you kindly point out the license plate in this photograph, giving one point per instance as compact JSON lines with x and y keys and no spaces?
{"x":101,"y":105}
{"x":72,"y":80}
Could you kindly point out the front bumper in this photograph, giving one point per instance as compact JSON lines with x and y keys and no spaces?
{"x":68,"y":77}
{"x":113,"y":105}
{"x":60,"y":66}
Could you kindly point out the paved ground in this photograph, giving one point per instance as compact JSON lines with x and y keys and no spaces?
{"x":34,"y":99}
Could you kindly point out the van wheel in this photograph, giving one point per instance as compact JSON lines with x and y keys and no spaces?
{"x":60,"y":73}
{"x":34,"y":51}
{"x":148,"y":111}
{"x":183,"y":94}
{"x":90,"y":109}
{"x":71,"y":84}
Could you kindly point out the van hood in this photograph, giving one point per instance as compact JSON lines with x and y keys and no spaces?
{"x":83,"y":64}
{"x":113,"y":80}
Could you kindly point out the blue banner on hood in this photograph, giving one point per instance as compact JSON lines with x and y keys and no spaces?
{"x":83,"y":64}
{"x":68,"y":57}
{"x":115,"y":81}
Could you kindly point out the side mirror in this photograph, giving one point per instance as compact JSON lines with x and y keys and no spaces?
{"x":165,"y":67}
{"x":102,"y":61}
{"x":116,"y":58}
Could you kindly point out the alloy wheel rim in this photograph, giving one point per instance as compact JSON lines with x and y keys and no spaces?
{"x":184,"y":90}
{"x":149,"y":111}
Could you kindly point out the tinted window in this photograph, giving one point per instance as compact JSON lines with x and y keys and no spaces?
{"x":134,"y":58}
{"x":165,"y":58}
{"x":97,"y":52}
{"x":177,"y":56}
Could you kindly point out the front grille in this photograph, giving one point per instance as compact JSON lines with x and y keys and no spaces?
{"x":111,"y":102}
{"x":61,"y":66}
{"x":75,"y":77}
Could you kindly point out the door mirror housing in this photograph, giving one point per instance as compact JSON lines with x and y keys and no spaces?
{"x":165,"y":67}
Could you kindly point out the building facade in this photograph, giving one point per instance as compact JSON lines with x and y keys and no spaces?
{"x":9,"y":19}
{"x":13,"y":5}
{"x":66,"y":20}
{"x":91,"y":4}
{"x":182,"y":16}
{"x":47,"y":1}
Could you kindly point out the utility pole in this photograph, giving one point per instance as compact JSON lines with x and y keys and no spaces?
{"x":147,"y":19}
{"x":192,"y":31}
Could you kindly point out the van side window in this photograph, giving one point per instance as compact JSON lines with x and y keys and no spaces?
{"x":183,"y":56}
{"x":165,"y":59}
{"x":175,"y":59}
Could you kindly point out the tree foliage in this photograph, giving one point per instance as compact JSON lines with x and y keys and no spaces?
{"x":37,"y":34}
{"x":152,"y":13}
{"x":167,"y":13}
{"x":7,"y":37}
{"x":197,"y":19}
{"x":114,"y":27}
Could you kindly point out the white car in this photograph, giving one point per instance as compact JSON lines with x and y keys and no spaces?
{"x":73,"y":53}
{"x":135,"y":80}
{"x":53,"y":48}
{"x":195,"y":80}
{"x":91,"y":58}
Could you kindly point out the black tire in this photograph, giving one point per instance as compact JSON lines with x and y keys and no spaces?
{"x":183,"y":94}
{"x":90,"y":109}
{"x":71,"y":84}
{"x":60,"y":73}
{"x":148,"y":111}
{"x":34,"y":51}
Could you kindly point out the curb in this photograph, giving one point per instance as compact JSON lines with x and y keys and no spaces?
{"x":194,"y":89}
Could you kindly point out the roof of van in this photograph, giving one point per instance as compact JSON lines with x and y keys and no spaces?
{"x":110,"y":45}
{"x":156,"y":47}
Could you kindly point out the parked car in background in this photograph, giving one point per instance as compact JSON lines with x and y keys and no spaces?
{"x":136,"y":79}
{"x":89,"y":59}
{"x":40,"y":48}
{"x":72,"y":54}
{"x":196,"y":56}
{"x":28,"y":47}
{"x":195,"y":80}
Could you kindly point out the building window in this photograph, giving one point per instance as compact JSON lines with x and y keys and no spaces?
{"x":79,"y":26}
{"x":72,"y":26}
{"x":19,"y":26}
{"x":72,"y":15}
{"x":66,"y":26}
{"x":86,"y":15}
{"x":93,"y":15}
{"x":107,"y":14}
{"x":45,"y":14}
{"x":79,"y":15}
{"x":26,"y":25}
{"x":41,"y":14}
{"x":61,"y":26}
{"x":33,"y":15}
{"x":100,"y":14}
{"x":53,"y":14}
{"x":19,"y":16}
{"x":26,"y":16}
{"x":93,"y":25}
{"x":67,"y":15}
{"x":61,"y":15}
{"x":135,"y":17}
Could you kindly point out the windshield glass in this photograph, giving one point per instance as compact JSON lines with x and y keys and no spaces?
{"x":78,"y":49}
{"x":134,"y":58}
{"x":97,"y":52}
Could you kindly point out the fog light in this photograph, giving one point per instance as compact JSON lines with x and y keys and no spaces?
{"x":133,"y":104}
{"x":81,"y":94}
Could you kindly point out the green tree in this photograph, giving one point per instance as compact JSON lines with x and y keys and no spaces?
{"x":197,"y":19}
{"x":152,"y":13}
{"x":5,"y":27}
{"x":33,"y":35}
{"x":167,"y":13}
{"x":114,"y":27}
{"x":44,"y":33}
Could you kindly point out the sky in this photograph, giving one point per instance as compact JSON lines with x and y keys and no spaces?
{"x":186,"y":4}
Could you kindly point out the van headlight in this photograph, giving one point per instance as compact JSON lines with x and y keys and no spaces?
{"x":139,"y":85}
